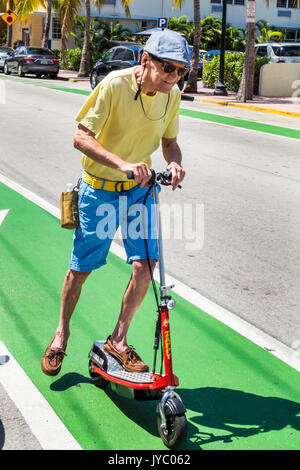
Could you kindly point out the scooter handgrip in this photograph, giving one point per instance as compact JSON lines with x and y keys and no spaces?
{"x":130,"y":175}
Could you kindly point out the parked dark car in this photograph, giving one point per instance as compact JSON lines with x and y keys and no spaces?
{"x":117,"y":58}
{"x":33,"y":60}
{"x":200,"y":63}
{"x":5,"y":52}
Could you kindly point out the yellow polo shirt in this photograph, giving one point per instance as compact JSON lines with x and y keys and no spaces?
{"x":120,"y":124}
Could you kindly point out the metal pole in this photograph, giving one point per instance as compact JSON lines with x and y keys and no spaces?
{"x":159,"y":240}
{"x":9,"y":28}
{"x":220,"y":89}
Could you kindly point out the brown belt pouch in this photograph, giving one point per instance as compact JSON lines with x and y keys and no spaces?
{"x":69,"y":208}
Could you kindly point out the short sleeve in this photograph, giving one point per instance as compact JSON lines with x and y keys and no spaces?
{"x":172,"y":128}
{"x":95,"y":110}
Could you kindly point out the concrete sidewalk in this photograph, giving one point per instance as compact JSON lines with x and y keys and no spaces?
{"x":285,"y":106}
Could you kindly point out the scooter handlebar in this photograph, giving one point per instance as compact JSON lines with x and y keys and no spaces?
{"x":162,"y":178}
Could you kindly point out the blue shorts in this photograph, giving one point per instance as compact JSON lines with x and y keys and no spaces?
{"x":100,"y":214}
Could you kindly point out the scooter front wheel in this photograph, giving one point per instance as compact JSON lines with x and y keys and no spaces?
{"x":173,"y":431}
{"x":97,"y":379}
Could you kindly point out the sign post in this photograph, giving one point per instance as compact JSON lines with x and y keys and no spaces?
{"x":9,"y":17}
{"x":162,"y":23}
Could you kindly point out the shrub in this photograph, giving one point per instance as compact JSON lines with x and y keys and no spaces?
{"x":234,"y":64}
{"x":73,"y":58}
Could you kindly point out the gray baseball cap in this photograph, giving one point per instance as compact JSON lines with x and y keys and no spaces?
{"x":168,"y":45}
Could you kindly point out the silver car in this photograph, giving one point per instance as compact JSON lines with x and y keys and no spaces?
{"x":5,"y":52}
{"x":279,"y":51}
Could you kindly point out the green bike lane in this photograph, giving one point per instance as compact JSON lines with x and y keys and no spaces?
{"x":237,"y":395}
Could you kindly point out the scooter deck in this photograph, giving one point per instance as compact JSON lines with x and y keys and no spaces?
{"x":113,"y":367}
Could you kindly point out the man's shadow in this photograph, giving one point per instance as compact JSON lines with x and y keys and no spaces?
{"x":237,"y":413}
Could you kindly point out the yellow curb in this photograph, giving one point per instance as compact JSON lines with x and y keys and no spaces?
{"x":251,"y":107}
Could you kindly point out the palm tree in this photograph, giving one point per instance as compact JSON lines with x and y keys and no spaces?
{"x":47,"y":24}
{"x":68,"y":11}
{"x":246,"y":86}
{"x":235,"y":38}
{"x":191,"y":86}
{"x":211,"y":31}
{"x":85,"y":58}
{"x":266,"y":33}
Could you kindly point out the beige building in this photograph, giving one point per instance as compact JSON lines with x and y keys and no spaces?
{"x":31,"y":31}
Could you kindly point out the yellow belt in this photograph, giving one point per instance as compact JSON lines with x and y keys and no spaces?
{"x":108,"y":185}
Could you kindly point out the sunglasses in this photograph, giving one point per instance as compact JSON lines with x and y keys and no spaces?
{"x":169,"y":68}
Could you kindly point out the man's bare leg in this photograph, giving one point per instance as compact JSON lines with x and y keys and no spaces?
{"x":69,"y":297}
{"x":133,"y":297}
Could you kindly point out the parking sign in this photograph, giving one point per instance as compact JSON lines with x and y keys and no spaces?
{"x":162,"y":22}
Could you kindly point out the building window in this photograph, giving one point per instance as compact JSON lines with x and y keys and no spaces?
{"x":56,"y":28}
{"x":229,"y":2}
{"x":109,"y":2}
{"x":287,"y":3}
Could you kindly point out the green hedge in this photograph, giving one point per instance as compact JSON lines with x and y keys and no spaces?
{"x":73,"y":57}
{"x":233,"y":71}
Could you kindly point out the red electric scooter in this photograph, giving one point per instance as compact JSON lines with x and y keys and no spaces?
{"x":105,"y":368}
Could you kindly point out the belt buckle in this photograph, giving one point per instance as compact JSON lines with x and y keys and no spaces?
{"x":122,"y":186}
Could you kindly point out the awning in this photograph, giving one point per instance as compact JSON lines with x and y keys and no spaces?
{"x":286,"y":26}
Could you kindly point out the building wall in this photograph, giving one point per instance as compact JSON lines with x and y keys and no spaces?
{"x":280,"y":80}
{"x":144,"y":14}
{"x":145,"y":9}
{"x":34,"y":25}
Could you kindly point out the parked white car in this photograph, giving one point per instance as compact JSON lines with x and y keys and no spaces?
{"x":5,"y":52}
{"x":279,"y":51}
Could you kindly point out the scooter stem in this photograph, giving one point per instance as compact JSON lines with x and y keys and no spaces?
{"x":163,"y":291}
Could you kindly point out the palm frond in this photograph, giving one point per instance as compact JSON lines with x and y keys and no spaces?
{"x":24,"y":8}
{"x":177,"y":3}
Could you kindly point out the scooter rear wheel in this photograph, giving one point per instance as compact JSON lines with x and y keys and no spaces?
{"x":175,"y":430}
{"x":98,"y":381}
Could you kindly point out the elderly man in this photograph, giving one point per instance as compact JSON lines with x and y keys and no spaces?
{"x":121,"y":124}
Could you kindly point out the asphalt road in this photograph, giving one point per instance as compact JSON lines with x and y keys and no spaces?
{"x":247,"y":183}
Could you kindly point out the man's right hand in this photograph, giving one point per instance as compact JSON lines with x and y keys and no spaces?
{"x":141,"y":172}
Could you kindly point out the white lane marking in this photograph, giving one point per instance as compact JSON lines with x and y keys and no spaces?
{"x":3,"y":214}
{"x":38,"y":414}
{"x":252,"y":333}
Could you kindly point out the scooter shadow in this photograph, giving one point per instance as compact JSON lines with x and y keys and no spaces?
{"x":143,"y":413}
{"x":214,"y":414}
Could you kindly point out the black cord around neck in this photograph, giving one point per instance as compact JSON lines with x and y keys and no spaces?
{"x":138,"y":94}
{"x":156,"y":119}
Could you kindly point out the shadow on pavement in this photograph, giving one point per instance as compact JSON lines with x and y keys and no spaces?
{"x":235,"y":413}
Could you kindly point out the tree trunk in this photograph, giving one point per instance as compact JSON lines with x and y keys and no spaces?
{"x":247,"y":83}
{"x":47,"y":23}
{"x":84,"y":69}
{"x":64,"y":36}
{"x":191,"y":85}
